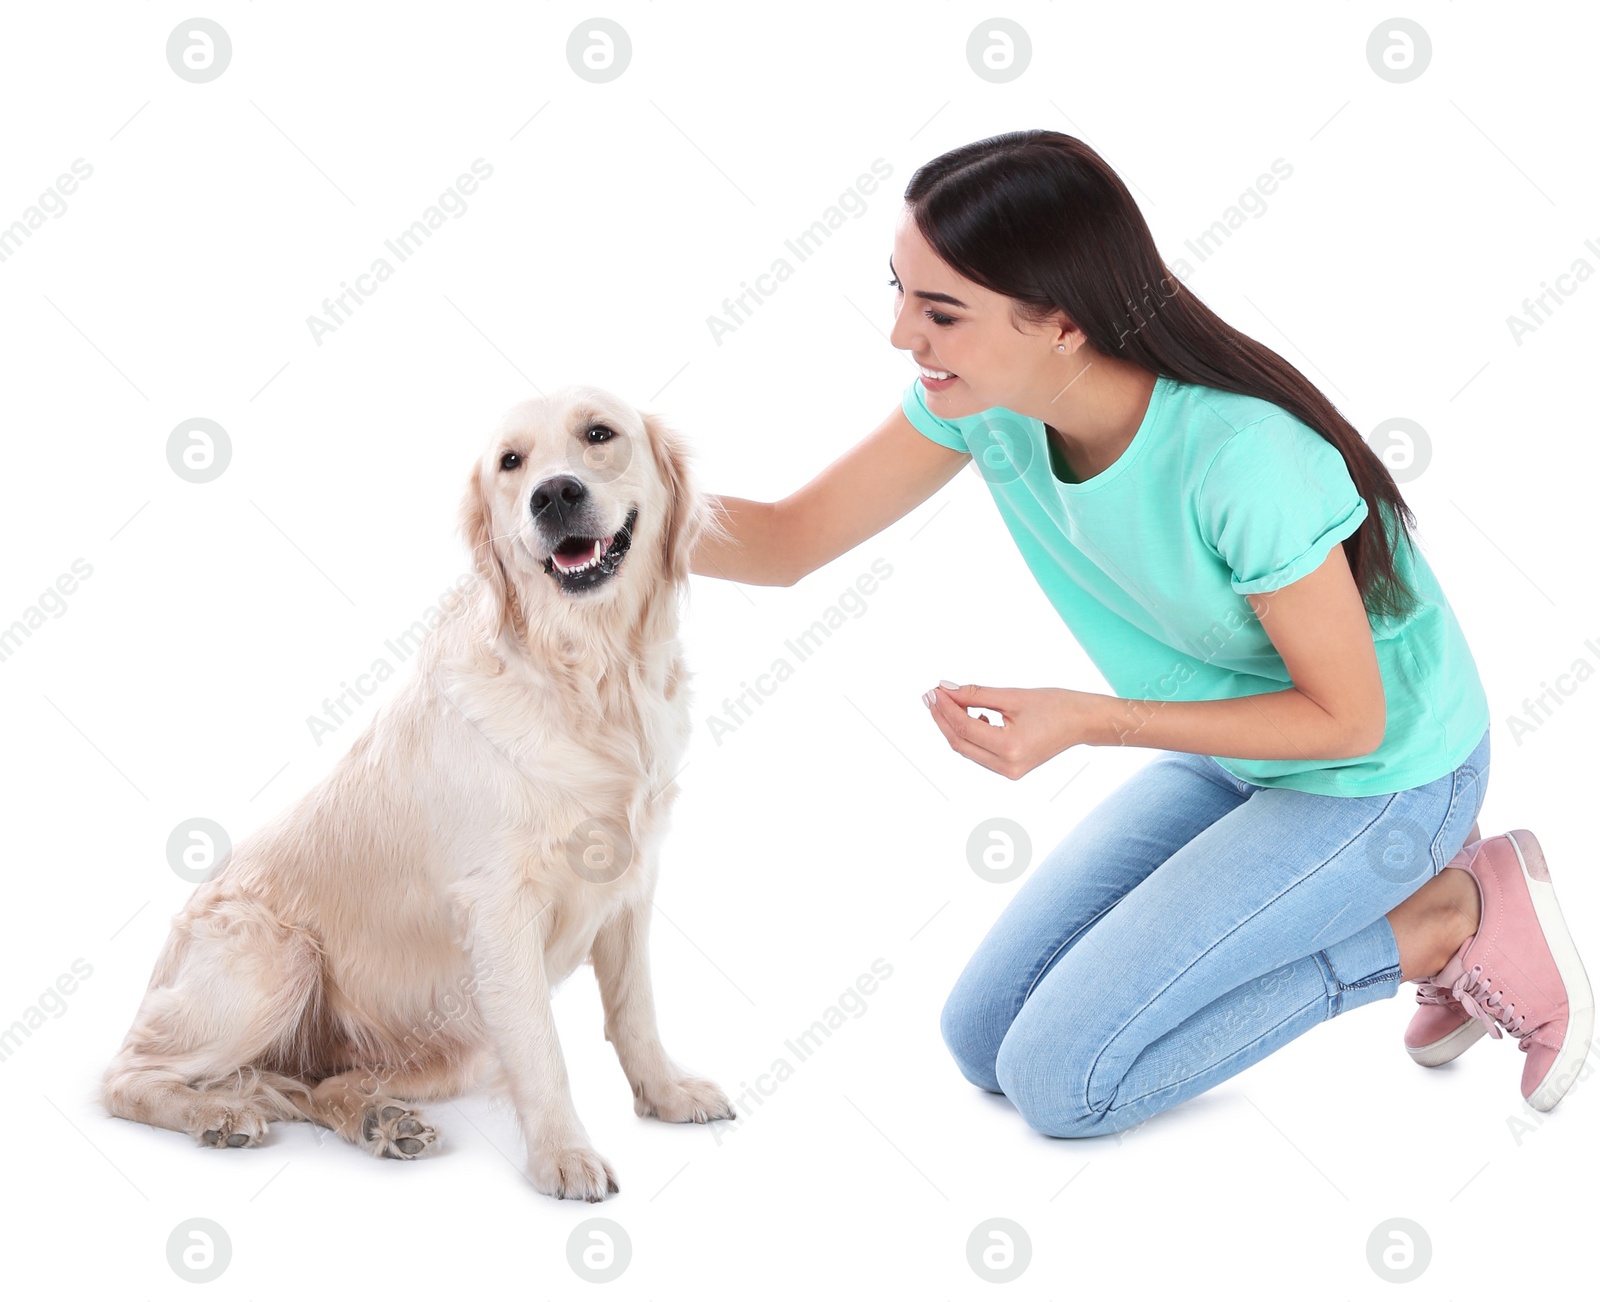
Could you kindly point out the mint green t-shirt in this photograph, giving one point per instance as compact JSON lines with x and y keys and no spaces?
{"x":1148,"y":562}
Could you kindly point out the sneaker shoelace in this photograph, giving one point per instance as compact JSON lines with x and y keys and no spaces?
{"x":1488,"y":1005}
{"x":1428,"y":993}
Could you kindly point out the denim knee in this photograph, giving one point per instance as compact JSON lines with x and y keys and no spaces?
{"x":1048,"y":1083}
{"x":966,"y":1023}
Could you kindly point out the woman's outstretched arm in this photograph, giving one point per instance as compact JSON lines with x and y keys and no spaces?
{"x":863,"y":492}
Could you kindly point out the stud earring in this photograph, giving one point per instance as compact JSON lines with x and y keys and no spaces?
{"x":1061,"y":348}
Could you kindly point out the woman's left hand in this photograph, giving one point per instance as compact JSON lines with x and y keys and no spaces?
{"x":1038,"y":724}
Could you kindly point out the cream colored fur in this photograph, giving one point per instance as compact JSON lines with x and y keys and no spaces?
{"x":395,"y":935}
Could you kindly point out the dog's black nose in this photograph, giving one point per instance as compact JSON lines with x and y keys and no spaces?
{"x":559,"y":497}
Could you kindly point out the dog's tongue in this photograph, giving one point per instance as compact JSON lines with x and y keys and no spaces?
{"x":584,"y":549}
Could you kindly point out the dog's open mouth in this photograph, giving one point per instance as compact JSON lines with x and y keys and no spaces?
{"x":580,"y":564}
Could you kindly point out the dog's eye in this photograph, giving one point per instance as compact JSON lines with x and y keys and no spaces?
{"x":600,"y":433}
{"x":510,"y":461}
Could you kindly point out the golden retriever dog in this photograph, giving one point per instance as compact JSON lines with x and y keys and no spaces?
{"x":395,"y":935}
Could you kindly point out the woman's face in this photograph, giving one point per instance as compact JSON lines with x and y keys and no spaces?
{"x":949,"y":324}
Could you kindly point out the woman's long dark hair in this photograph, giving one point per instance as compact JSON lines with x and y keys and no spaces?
{"x":1040,"y":217}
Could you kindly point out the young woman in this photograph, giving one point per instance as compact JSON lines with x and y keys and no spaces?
{"x":1234,"y":559}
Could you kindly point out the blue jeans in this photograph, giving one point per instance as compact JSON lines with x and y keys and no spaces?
{"x":1188,"y":926}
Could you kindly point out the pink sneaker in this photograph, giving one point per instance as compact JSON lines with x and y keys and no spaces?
{"x":1521,"y":972}
{"x":1441,"y":1029}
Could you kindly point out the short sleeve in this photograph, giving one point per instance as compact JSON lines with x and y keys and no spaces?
{"x":915,"y":406}
{"x":1274,"y":501}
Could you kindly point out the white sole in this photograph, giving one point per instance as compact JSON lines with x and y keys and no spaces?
{"x":1580,"y":997}
{"x":1448,"y":1048}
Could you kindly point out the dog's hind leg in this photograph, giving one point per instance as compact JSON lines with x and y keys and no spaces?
{"x":366,"y":1107}
{"x":234,"y":996}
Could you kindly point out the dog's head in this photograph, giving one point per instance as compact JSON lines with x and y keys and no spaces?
{"x":580,"y":501}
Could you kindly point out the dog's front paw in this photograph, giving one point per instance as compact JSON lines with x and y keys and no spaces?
{"x":391,"y":1129}
{"x":689,"y":1098}
{"x":230,"y":1124}
{"x":571,"y":1173}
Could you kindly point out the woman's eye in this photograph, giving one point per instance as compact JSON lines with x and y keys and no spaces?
{"x":600,"y":433}
{"x":938,"y":318}
{"x":510,"y":461}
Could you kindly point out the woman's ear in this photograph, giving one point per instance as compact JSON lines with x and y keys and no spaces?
{"x":477,"y":528}
{"x":689,"y":514}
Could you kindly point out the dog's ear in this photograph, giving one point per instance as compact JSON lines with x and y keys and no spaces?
{"x":477,"y":527}
{"x":688,"y":510}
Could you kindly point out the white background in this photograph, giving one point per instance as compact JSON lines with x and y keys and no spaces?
{"x":830,"y":829}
